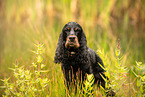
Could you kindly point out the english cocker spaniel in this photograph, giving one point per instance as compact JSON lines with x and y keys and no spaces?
{"x":75,"y":56}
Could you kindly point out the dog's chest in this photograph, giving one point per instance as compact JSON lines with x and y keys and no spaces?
{"x":74,"y":62}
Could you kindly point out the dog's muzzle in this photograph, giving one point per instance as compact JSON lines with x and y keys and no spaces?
{"x":72,"y":42}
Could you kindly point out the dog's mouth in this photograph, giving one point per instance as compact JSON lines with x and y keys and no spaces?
{"x":72,"y":42}
{"x":71,"y":45}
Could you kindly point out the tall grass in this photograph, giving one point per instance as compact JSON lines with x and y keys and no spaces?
{"x":38,"y":81}
{"x":28,"y":22}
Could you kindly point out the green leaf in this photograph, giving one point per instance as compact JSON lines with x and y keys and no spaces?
{"x":34,"y":64}
{"x":134,"y":73}
{"x":117,"y":53}
{"x":138,"y":63}
{"x":141,"y":88}
{"x":39,"y":59}
{"x":138,"y":82}
{"x":102,"y":66}
{"x":42,"y":66}
{"x":2,"y":87}
{"x":44,"y":71}
{"x":143,"y":78}
{"x":88,"y":85}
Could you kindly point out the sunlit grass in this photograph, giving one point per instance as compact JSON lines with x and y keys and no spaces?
{"x":31,"y":22}
{"x":39,"y":81}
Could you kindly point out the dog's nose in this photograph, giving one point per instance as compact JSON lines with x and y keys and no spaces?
{"x":72,"y":38}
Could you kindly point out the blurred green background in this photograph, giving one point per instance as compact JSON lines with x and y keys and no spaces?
{"x":27,"y":22}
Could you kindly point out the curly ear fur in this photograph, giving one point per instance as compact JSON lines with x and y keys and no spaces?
{"x":59,"y":50}
{"x":83,"y":41}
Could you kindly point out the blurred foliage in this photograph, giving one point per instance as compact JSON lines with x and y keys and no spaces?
{"x":23,"y":23}
{"x":31,"y":82}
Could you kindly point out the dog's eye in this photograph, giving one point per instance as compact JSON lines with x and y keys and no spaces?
{"x":67,"y":29}
{"x":76,"y":29}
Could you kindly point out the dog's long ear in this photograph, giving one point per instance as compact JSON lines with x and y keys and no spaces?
{"x":83,"y":41}
{"x":59,"y":50}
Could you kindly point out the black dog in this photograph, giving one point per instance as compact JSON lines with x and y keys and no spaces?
{"x":74,"y":55}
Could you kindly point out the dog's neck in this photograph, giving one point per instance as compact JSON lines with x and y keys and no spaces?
{"x":71,"y":53}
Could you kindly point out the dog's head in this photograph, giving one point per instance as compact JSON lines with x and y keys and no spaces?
{"x":72,"y":34}
{"x":72,"y":39}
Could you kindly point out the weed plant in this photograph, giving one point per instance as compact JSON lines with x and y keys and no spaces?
{"x":140,"y":79}
{"x":28,"y":83}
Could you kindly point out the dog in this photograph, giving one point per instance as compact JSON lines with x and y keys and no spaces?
{"x":75,"y":56}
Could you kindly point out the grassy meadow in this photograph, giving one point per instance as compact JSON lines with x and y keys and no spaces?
{"x":29,"y":32}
